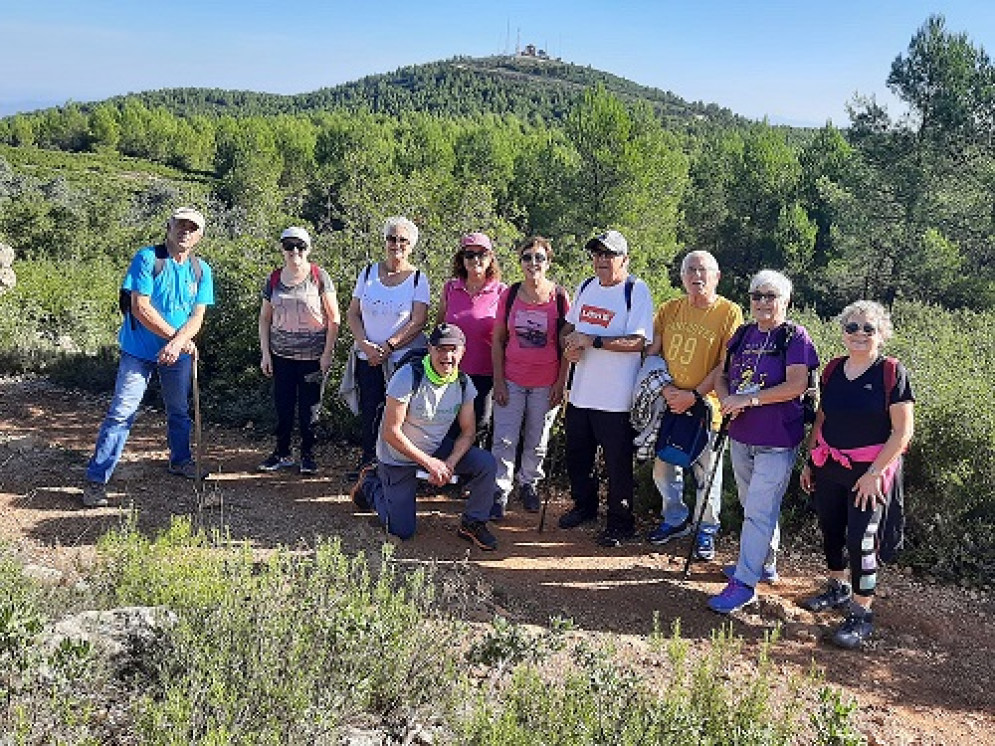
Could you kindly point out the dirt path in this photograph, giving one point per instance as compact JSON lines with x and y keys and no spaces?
{"x":926,"y":679}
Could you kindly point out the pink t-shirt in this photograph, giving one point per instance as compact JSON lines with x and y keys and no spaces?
{"x":475,"y":315}
{"x":530,"y":357}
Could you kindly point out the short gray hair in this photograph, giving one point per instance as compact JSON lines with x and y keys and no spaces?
{"x":774,"y":279}
{"x":699,"y":254}
{"x":872,"y":312}
{"x":399,"y":221}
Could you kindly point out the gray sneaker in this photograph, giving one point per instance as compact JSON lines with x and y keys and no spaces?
{"x":95,"y":495}
{"x":187,"y":469}
{"x":835,"y":596}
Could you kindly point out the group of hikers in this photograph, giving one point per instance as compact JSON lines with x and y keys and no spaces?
{"x":471,"y":396}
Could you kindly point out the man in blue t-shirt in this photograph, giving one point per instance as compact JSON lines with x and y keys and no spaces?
{"x":169,"y":290}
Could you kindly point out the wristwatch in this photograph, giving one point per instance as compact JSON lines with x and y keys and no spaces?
{"x":754,"y":401}
{"x":598,"y":343}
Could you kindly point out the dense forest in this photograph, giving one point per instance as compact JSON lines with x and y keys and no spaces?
{"x":898,"y":209}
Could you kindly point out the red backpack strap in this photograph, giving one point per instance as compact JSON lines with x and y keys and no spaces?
{"x":830,"y":367}
{"x":274,"y":280}
{"x":890,"y":378}
{"x":316,"y":277}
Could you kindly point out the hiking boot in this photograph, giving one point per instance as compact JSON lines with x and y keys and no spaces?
{"x":768,"y":575}
{"x":95,"y":495}
{"x":357,"y":494}
{"x":704,"y":546}
{"x":615,"y":537}
{"x":667,"y":531}
{"x":275,"y":461}
{"x":530,"y":499}
{"x":188,"y":469}
{"x":477,"y":533}
{"x":308,"y":465}
{"x":855,"y":629}
{"x":836,"y":596}
{"x":499,"y":507}
{"x":734,"y":597}
{"x":576,"y":516}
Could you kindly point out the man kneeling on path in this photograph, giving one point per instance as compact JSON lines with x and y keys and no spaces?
{"x":423,"y":399}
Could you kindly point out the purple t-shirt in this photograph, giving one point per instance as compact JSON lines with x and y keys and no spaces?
{"x":759,"y":365}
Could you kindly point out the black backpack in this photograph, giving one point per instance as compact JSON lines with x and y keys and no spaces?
{"x":414,"y":358}
{"x":785,"y":333}
{"x":161,"y":255}
{"x":561,"y":308}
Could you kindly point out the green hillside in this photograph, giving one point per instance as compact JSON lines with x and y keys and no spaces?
{"x":532,"y":88}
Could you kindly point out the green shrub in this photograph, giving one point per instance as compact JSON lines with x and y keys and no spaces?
{"x":279,"y":651}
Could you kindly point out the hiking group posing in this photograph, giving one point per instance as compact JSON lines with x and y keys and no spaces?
{"x":474,"y":400}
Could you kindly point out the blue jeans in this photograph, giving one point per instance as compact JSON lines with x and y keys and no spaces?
{"x":669,"y":481}
{"x":396,"y":504}
{"x":133,"y":375}
{"x":762,"y":476}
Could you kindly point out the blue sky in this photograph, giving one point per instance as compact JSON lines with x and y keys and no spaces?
{"x":795,"y":62}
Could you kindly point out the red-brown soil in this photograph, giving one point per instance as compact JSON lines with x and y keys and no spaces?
{"x":927,"y":677}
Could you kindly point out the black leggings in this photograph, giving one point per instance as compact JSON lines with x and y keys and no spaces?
{"x":849,"y":535}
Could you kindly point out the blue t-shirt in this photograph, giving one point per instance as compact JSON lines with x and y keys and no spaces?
{"x":174,"y":293}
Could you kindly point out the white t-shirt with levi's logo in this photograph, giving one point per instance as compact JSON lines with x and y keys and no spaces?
{"x":604,"y":379}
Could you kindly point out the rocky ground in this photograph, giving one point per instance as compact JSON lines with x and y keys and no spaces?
{"x":926,"y":678}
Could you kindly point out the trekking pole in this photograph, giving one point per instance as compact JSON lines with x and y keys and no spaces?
{"x":717,"y":447}
{"x":545,"y":501}
{"x":197,"y":426}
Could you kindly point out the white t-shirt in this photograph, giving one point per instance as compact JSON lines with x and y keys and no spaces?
{"x":604,"y":379}
{"x":386,"y":309}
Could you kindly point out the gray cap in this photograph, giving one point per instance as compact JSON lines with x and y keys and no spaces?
{"x":447,"y":334}
{"x":612,"y":240}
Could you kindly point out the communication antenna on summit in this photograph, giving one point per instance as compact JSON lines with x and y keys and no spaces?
{"x":507,"y":36}
{"x":518,"y":41}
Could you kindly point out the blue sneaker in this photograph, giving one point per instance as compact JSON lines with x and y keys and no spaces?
{"x":704,"y":545}
{"x":769,"y":574}
{"x":734,"y":597}
{"x":667,"y":531}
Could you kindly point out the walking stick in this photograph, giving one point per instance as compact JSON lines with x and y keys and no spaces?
{"x":197,"y":427}
{"x":545,"y":501}
{"x":717,"y":447}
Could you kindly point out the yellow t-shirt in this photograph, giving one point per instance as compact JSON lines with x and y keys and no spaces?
{"x":694,"y":339}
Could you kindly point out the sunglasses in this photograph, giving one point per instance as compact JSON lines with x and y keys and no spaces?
{"x":294,"y":246}
{"x":853,"y":327}
{"x":530,"y":258}
{"x":471,"y":256}
{"x":598,"y":253}
{"x":769,"y":297}
{"x":401,"y":240}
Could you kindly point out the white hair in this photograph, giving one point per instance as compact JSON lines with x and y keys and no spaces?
{"x":710,"y":260}
{"x":399,"y":221}
{"x":873,"y":313}
{"x":774,"y":279}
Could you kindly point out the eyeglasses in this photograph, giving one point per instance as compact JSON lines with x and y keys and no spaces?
{"x":699,"y":270}
{"x":598,"y":253}
{"x":294,"y":246}
{"x":853,"y":327}
{"x":472,"y":256}
{"x":769,"y":297}
{"x":530,"y":258}
{"x":400,"y":240}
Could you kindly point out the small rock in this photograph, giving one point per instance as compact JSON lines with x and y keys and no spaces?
{"x":42,"y":574}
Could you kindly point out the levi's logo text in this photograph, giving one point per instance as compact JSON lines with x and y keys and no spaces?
{"x":598,"y":316}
